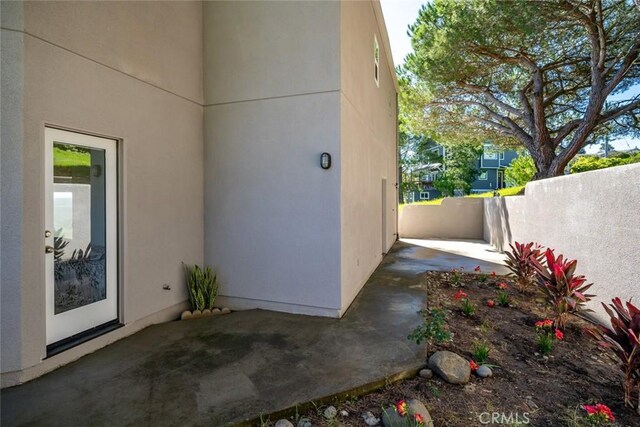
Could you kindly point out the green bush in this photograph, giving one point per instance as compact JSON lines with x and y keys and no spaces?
{"x":202,"y":286}
{"x":520,"y":171}
{"x":590,"y":162}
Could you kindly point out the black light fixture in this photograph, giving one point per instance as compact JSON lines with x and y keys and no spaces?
{"x":325,"y":160}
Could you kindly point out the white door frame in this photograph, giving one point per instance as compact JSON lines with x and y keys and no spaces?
{"x":81,"y":319}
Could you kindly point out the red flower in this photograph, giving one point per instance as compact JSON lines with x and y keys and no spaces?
{"x":604,"y":410}
{"x":559,"y":334}
{"x":547,"y":323}
{"x":473,"y":365}
{"x":419,"y":419}
{"x":477,"y":269}
{"x":502,"y":285}
{"x":599,"y":409}
{"x":401,"y":408}
{"x":460,"y":294}
{"x":491,"y":303}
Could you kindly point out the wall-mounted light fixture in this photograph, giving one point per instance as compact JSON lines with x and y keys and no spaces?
{"x":325,"y":160}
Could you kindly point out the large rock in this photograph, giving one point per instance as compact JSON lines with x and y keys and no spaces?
{"x":390,"y":418}
{"x":283,"y":423}
{"x":450,"y":367}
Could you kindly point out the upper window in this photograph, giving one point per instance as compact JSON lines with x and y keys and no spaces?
{"x":502,"y":155}
{"x":376,"y":61}
{"x":489,"y":153}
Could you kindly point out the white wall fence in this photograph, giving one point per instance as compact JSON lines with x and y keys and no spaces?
{"x":593,"y":217}
{"x":456,"y":218}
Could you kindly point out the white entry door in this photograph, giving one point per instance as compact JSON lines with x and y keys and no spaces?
{"x":81,"y":247}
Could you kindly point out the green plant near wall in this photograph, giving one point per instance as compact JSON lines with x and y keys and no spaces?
{"x":202,"y":285}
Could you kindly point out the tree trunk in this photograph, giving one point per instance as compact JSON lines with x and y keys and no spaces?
{"x":544,"y":158}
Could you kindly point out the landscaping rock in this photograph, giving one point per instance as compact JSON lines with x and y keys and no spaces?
{"x":450,"y":367}
{"x":197,"y":313}
{"x":484,"y":371}
{"x":216,"y":311}
{"x":304,"y":422}
{"x":330,"y":412}
{"x":225,"y":310}
{"x":344,"y":413}
{"x":370,"y":419}
{"x":390,"y":418}
{"x":283,"y":423}
{"x":206,"y":312}
{"x":426,"y":373}
{"x":186,"y":315}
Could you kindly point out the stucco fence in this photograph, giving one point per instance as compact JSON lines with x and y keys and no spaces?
{"x":593,"y":217}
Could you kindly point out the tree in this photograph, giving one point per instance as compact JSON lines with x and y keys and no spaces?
{"x":539,"y":74}
{"x":459,"y":169}
{"x":414,"y":152}
{"x":520,"y":171}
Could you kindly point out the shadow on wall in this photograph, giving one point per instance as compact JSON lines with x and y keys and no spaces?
{"x":592,"y":217}
{"x":497,"y":230}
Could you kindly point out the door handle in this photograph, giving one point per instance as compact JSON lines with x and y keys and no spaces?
{"x":48,"y":249}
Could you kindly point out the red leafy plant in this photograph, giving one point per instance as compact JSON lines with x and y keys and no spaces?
{"x":623,"y":339}
{"x":520,"y":262}
{"x":565,"y":290}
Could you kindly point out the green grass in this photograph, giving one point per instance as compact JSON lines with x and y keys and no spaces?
{"x":68,"y":158}
{"x":511,"y":191}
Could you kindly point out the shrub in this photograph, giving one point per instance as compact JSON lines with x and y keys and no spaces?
{"x":520,"y":171}
{"x":623,"y":339}
{"x":202,"y":286}
{"x":433,"y":328}
{"x":589,"y":163}
{"x":480,"y":350}
{"x":503,"y":299}
{"x":564,"y":290}
{"x":520,"y":262}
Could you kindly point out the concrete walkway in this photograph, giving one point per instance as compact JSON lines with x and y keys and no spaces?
{"x":219,"y":371}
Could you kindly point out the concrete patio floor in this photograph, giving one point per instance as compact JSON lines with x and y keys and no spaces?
{"x":223,"y":370}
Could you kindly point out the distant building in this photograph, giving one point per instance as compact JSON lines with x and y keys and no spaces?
{"x":491,"y":164}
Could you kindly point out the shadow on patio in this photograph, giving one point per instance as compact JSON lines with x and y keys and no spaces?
{"x":223,"y":370}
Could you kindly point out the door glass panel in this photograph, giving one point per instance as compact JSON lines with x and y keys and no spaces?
{"x":79,"y":219}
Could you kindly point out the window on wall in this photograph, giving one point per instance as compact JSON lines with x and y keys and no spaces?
{"x":502,"y":155}
{"x":483,"y":176}
{"x":376,"y":61}
{"x":424,"y":196}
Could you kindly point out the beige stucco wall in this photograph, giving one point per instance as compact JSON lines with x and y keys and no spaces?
{"x":82,"y":70}
{"x":271,"y":108}
{"x":454,"y":218}
{"x":368,"y":145}
{"x":593,"y":217}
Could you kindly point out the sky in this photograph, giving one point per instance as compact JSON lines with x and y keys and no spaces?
{"x":399,"y":14}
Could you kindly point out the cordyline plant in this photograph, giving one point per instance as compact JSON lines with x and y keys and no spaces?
{"x":564,"y":290}
{"x":623,"y":339}
{"x":520,"y":262}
